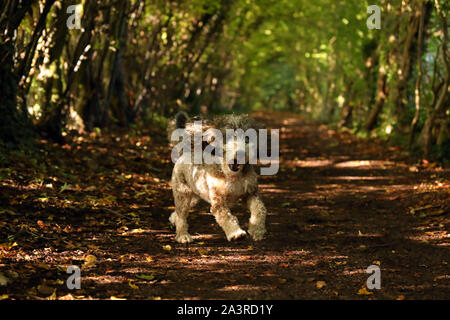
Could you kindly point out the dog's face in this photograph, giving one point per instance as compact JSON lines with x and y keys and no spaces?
{"x":236,"y":155}
{"x":235,"y":149}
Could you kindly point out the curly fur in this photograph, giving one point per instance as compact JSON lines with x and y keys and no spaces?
{"x":218,"y":185}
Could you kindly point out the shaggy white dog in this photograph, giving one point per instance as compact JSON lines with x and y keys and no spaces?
{"x":221,"y":184}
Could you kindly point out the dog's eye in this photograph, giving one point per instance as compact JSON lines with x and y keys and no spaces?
{"x":205,"y":144}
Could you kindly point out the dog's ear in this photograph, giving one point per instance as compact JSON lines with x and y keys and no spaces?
{"x":181,"y":118}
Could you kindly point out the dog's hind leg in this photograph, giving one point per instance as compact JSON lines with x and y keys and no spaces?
{"x":228,"y":222}
{"x":194,"y":200}
{"x":257,"y":223}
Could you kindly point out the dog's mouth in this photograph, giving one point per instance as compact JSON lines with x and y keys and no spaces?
{"x":234,"y":166}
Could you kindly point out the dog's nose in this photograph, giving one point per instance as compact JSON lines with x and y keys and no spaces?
{"x":234,"y":165}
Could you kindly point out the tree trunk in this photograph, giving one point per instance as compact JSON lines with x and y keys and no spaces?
{"x":10,"y":120}
{"x":380,"y":100}
{"x":14,"y":124}
{"x":419,"y":76}
{"x":404,"y":61}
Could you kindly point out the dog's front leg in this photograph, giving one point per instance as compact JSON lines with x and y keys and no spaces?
{"x":228,"y":222}
{"x":257,"y":223}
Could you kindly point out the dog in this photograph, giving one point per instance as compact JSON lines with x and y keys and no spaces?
{"x":221,"y":184}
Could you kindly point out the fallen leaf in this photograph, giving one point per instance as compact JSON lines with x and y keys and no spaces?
{"x":145,"y":277}
{"x":44,"y":289}
{"x":41,"y":224}
{"x":43,"y":266}
{"x":320,"y":284}
{"x":91,"y":188}
{"x":167,"y":247}
{"x":64,"y":187}
{"x":12,"y":274}
{"x":3,"y":280}
{"x":363,"y":291}
{"x":89,"y":261}
{"x":53,"y":296}
{"x":70,"y":245}
{"x":67,"y":297}
{"x":132,"y":285}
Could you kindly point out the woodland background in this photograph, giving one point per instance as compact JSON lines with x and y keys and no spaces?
{"x":138,"y":62}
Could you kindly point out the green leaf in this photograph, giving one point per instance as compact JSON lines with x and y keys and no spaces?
{"x":64,"y":187}
{"x":145,"y":277}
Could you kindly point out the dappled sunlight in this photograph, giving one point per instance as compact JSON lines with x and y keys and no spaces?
{"x":270,"y":190}
{"x":101,"y":280}
{"x":364,"y":163}
{"x":438,"y":237}
{"x":271,"y":185}
{"x":353,"y":272}
{"x":350,"y":178}
{"x":245,"y":287}
{"x":313,"y":163}
{"x":290,"y":121}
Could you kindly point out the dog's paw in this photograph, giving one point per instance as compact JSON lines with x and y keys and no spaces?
{"x":183,"y":238}
{"x":173,"y":218}
{"x":236,"y":235}
{"x":257,"y":233}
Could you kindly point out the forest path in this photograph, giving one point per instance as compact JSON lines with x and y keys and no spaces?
{"x":338,"y":205}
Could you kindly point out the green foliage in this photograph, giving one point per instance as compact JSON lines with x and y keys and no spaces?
{"x":137,"y":58}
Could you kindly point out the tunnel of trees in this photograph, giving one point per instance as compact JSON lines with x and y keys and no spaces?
{"x":135,"y":60}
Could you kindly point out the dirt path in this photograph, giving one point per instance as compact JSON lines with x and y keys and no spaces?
{"x":338,"y":205}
